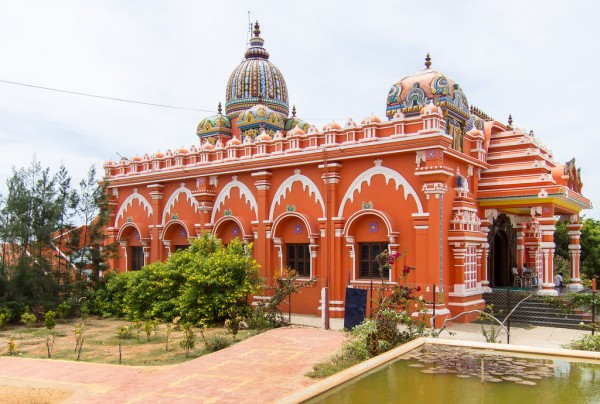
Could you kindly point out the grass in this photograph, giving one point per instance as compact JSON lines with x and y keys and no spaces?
{"x":101,"y":344}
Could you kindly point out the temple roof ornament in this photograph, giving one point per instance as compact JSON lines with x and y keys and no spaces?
{"x":427,"y":61}
{"x":214,"y":125}
{"x":256,"y":77}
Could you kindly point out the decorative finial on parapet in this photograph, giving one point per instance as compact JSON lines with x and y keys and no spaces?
{"x":510,"y":121}
{"x":219,"y":108}
{"x":427,"y":61}
{"x":294,"y":111}
{"x":256,"y":29}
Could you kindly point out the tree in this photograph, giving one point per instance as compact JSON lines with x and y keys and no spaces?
{"x":590,"y":247}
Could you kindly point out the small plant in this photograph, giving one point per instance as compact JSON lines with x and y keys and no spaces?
{"x":50,"y":320}
{"x":189,"y":339}
{"x":79,"y":330}
{"x":155,"y":323}
{"x":124,"y":332}
{"x":63,"y":309}
{"x":586,"y":343}
{"x":84,"y":314}
{"x":138,"y":329}
{"x":233,"y":325}
{"x":492,"y":333}
{"x":4,"y":317}
{"x":214,"y":343}
{"x":148,"y":329}
{"x":177,"y":323}
{"x":28,"y":319}
{"x":11,"y":346}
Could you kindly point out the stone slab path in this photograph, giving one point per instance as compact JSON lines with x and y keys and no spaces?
{"x":261,"y":369}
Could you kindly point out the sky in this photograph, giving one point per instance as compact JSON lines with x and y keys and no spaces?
{"x":536,"y":60}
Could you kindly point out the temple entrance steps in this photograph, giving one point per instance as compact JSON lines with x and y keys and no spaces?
{"x":537,"y":310}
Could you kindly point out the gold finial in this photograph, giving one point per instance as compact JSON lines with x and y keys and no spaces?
{"x":510,"y":121}
{"x":294,"y":111}
{"x":219,"y":108}
{"x":427,"y":61}
{"x":256,"y":29}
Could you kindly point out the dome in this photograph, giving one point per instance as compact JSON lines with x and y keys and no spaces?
{"x":207,"y":146}
{"x":293,"y":121}
{"x":214,"y":125}
{"x":234,"y":142}
{"x":136,"y":159}
{"x":264,"y":137}
{"x":256,"y":80}
{"x":333,"y":125}
{"x":158,"y":155}
{"x":371,"y":119}
{"x":260,"y":116}
{"x":296,"y":131}
{"x":414,"y":92}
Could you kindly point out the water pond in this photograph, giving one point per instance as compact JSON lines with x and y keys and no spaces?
{"x":446,"y":374}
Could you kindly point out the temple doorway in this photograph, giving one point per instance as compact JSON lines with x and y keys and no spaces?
{"x":503,"y":250}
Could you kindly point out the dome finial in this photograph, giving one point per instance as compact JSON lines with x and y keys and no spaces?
{"x":510,"y":121}
{"x":427,"y":61}
{"x":219,"y":108}
{"x":256,"y":29}
{"x":294,"y":111}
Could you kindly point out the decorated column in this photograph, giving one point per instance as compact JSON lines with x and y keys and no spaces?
{"x":574,"y":229}
{"x":548,"y":227}
{"x":156,"y":193}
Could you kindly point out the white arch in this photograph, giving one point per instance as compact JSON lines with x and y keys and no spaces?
{"x":311,"y":233}
{"x":287,"y":186}
{"x":226,"y":193}
{"x":389,"y":174}
{"x":222,"y":220}
{"x":129,"y":202}
{"x":387,"y":220}
{"x":127,"y":225}
{"x":172,"y":223}
{"x":175,"y":197}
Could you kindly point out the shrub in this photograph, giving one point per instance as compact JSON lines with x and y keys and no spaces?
{"x":214,"y":343}
{"x":586,"y":343}
{"x":28,"y":319}
{"x":50,"y":320}
{"x":4,"y":316}
{"x":63,"y":309}
{"x":188,"y":342}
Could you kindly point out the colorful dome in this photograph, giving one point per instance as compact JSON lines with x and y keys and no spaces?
{"x":260,"y":116}
{"x":256,"y":81}
{"x":333,"y":125}
{"x":292,"y":122}
{"x":414,"y":92}
{"x":214,"y":125}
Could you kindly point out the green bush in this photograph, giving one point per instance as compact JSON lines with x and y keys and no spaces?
{"x":205,"y":282}
{"x":63,"y":309}
{"x":214,"y":343}
{"x":4,"y":316}
{"x":50,"y":319}
{"x":28,"y":319}
{"x":586,"y":343}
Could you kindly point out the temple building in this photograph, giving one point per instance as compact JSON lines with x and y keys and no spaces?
{"x":463,"y":197}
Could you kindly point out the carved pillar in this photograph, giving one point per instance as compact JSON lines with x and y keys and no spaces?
{"x":483,"y":259}
{"x":575,"y":255}
{"x":547,"y":227}
{"x":262,"y":248}
{"x":123,"y":257}
{"x":205,"y":195}
{"x":156,"y":193}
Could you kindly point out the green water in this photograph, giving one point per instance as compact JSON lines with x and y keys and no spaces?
{"x":571,"y":382}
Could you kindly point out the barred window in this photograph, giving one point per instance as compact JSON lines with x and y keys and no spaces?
{"x":298,"y":258}
{"x":368,"y":267}
{"x":471,"y":268}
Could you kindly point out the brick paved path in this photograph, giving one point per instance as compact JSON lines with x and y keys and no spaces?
{"x":261,"y":369}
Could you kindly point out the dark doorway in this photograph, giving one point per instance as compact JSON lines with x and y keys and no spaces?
{"x":501,"y":260}
{"x":503,"y":251}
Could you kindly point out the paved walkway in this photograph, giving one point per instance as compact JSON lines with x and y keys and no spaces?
{"x":261,"y":369}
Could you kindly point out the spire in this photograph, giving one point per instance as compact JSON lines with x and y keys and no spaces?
{"x":294,"y":111}
{"x":427,"y":61}
{"x":256,"y":29}
{"x":510,"y":121}
{"x":219,"y":108}
{"x":256,"y":50}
